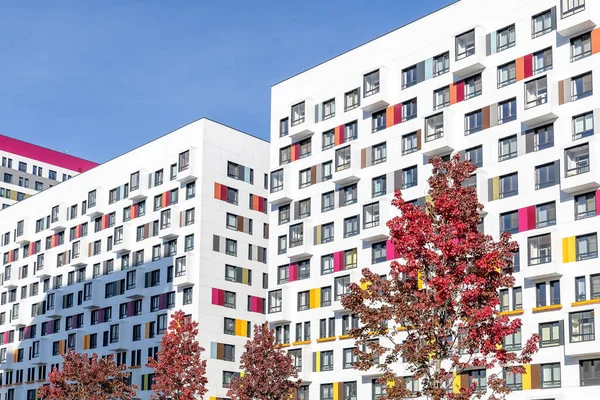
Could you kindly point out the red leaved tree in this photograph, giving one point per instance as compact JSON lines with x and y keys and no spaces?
{"x":438,"y":307}
{"x":180,"y":373}
{"x":267,"y":370}
{"x":92,"y":378}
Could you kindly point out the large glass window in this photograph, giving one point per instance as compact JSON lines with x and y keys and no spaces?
{"x":585,"y":205}
{"x":545,"y":176}
{"x":371,"y":215}
{"x":507,"y":148}
{"x":343,"y":158}
{"x":473,"y":86}
{"x":409,"y":76}
{"x":351,"y":100}
{"x":378,"y":186}
{"x":581,"y":46}
{"x":540,"y":249}
{"x":507,"y":74}
{"x":509,"y":185}
{"x":550,"y":333}
{"x":371,"y":83}
{"x":473,"y":122}
{"x":441,"y":98}
{"x":434,"y":127}
{"x":581,"y":86}
{"x":570,"y":7}
{"x":589,"y":372}
{"x":541,"y":24}
{"x":509,"y":222}
{"x":545,"y":215}
{"x":297,"y":114}
{"x":536,"y":92}
{"x":587,"y":246}
{"x":550,"y":375}
{"x":441,"y":64}
{"x":542,"y":61}
{"x":577,"y":160}
{"x":543,"y":137}
{"x":409,"y":143}
{"x":378,"y":120}
{"x":505,"y":38}
{"x":409,"y":177}
{"x":583,"y":125}
{"x":582,"y":326}
{"x":465,"y":45}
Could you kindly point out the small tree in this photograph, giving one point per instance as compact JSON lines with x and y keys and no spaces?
{"x":180,"y":373}
{"x":439,"y":304}
{"x":267,"y":368}
{"x":92,"y":378}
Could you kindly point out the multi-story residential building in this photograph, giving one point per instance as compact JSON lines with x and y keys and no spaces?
{"x":27,"y":169}
{"x":97,"y":263}
{"x":511,"y":86}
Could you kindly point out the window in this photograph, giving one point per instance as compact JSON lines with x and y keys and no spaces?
{"x":543,"y":137}
{"x":351,"y":100}
{"x":587,"y":247}
{"x":580,"y":292}
{"x":378,"y":153}
{"x":378,"y":252}
{"x":513,"y":380}
{"x":371,"y":215}
{"x":283,"y":127}
{"x":275,"y":301}
{"x":542,"y":61}
{"x":409,"y":143}
{"x":327,"y":360}
{"x":509,"y":222}
{"x":473,"y":122}
{"x":540,"y":249}
{"x":303,"y":300}
{"x":541,"y":24}
{"x":585,"y":205}
{"x":475,"y":156}
{"x":550,"y":375}
{"x":507,"y":74}
{"x":473,"y":86}
{"x":227,"y":378}
{"x":507,"y":111}
{"x":284,"y":214}
{"x":351,"y":226}
{"x":327,"y":201}
{"x":343,"y":158}
{"x":349,"y":195}
{"x":409,"y":110}
{"x":285,"y":154}
{"x":570,"y":7}
{"x":589,"y":372}
{"x":328,"y":109}
{"x":512,"y":342}
{"x":231,"y":247}
{"x":328,"y":140}
{"x":342,"y":285}
{"x":409,"y":77}
{"x":296,"y":235}
{"x":304,"y":208}
{"x":583,"y":125}
{"x":350,"y":131}
{"x":465,"y":45}
{"x":545,"y":176}
{"x":305,"y":147}
{"x":434,"y":127}
{"x":507,"y":148}
{"x":536,"y":92}
{"x":282,"y":244}
{"x":479,"y":377}
{"x":550,"y":333}
{"x":305,"y":178}
{"x":327,"y":233}
{"x":349,"y":391}
{"x":326,"y":297}
{"x":581,"y":46}
{"x":371,"y":83}
{"x":509,"y":185}
{"x":409,"y":177}
{"x":326,"y":171}
{"x":540,"y":294}
{"x":545,"y":215}
{"x":327,"y":264}
{"x":349,"y":358}
{"x":378,"y":121}
{"x":441,"y":64}
{"x":581,"y":86}
{"x":276,"y":181}
{"x":190,"y":190}
{"x":441,"y":98}
{"x":297,"y":114}
{"x":577,"y":160}
{"x":505,"y":38}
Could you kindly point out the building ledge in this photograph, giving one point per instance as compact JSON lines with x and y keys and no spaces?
{"x":282,"y":345}
{"x":547,"y":308}
{"x":301,"y":343}
{"x":135,"y":367}
{"x":326,"y":339}
{"x":511,"y":313}
{"x":344,"y":337}
{"x":585,"y":302}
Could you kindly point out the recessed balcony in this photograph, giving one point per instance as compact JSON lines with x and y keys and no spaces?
{"x":439,"y":132}
{"x":302,"y":122}
{"x":58,"y":218}
{"x":281,"y":186}
{"x":575,"y":19}
{"x":139,"y":185}
{"x":347,"y":165}
{"x":541,"y":104}
{"x":374,"y":227}
{"x":189,"y":166}
{"x":186,"y":276}
{"x":301,"y":240}
{"x":374,"y":95}
{"x":469,"y":52}
{"x":581,"y":167}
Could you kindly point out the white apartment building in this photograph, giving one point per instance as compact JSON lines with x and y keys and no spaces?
{"x":97,"y":263}
{"x":27,"y":169}
{"x":511,"y":85}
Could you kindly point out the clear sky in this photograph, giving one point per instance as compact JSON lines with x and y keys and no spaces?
{"x":97,"y":78}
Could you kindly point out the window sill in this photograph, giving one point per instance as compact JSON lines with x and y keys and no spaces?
{"x":344,"y":337}
{"x":135,"y":367}
{"x":327,"y":339}
{"x":585,"y":302}
{"x":301,"y":343}
{"x":547,"y":308}
{"x":281,"y":345}
{"x":511,"y":313}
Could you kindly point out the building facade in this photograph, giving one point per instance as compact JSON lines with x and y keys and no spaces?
{"x":511,"y":86}
{"x":97,"y":263}
{"x":27,"y":169}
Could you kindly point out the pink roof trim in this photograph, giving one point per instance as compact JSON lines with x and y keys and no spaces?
{"x":44,"y":154}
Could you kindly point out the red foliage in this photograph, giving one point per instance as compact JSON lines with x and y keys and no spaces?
{"x":267,"y":370}
{"x":92,"y":378}
{"x":441,"y":300}
{"x":180,"y":373}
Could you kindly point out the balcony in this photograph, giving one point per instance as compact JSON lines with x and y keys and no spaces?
{"x":347,"y":165}
{"x":172,"y":230}
{"x":45,"y":352}
{"x":186,"y":277}
{"x":338,"y":307}
{"x":281,"y":190}
{"x":80,"y":259}
{"x":576,"y":20}
{"x":302,"y":247}
{"x":21,"y":321}
{"x":581,"y":172}
{"x":303,"y":127}
{"x":582,"y":349}
{"x":541,"y":272}
{"x":95,"y":298}
{"x":141,"y":192}
{"x":189,"y":171}
{"x":123,"y":342}
{"x":540,"y":105}
{"x":438,"y":138}
{"x":59,"y":223}
{"x":377,"y":231}
{"x":469,"y":53}
{"x":287,"y":312}
{"x":25,"y":234}
{"x":126,"y":244}
{"x":99,"y":208}
{"x":11,"y":282}
{"x":376,"y":97}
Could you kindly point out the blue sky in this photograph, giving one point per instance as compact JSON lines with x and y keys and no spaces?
{"x":99,"y":78}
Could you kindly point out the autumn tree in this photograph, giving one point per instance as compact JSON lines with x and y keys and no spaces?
{"x":82,"y":377}
{"x":268,"y":370}
{"x":438,"y":308}
{"x":180,"y":373}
